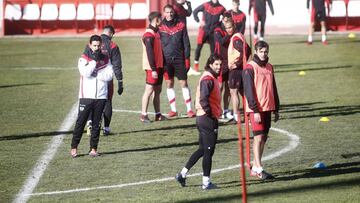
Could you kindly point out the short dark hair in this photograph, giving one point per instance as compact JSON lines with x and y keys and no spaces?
{"x":95,"y":38}
{"x":168,"y":6}
{"x":110,"y":28}
{"x":212,"y":58}
{"x":154,"y":15}
{"x":227,"y":15}
{"x":261,"y":44}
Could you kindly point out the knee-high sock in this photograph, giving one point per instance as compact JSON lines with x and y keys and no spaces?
{"x":187,"y":97}
{"x":171,"y":97}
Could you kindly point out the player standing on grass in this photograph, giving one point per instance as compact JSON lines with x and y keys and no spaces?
{"x":212,"y":10}
{"x":153,"y":66}
{"x":317,"y":12}
{"x":238,"y":17}
{"x":261,"y":99}
{"x":208,"y":110}
{"x":95,"y":73}
{"x":238,"y":54}
{"x":222,"y":36}
{"x":110,"y":48}
{"x":260,"y":15}
{"x":181,"y":12}
{"x":176,"y":49}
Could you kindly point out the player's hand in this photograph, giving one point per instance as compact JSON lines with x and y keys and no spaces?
{"x":154,"y":74}
{"x":94,"y":73}
{"x":120,"y":87}
{"x":276,"y":116}
{"x":257,"y":117}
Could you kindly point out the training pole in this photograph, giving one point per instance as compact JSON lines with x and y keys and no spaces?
{"x":247,"y":136}
{"x":241,"y":154}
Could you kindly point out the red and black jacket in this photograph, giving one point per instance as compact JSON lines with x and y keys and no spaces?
{"x":260,"y":6}
{"x":109,"y":48}
{"x":181,"y":12}
{"x":222,"y":41}
{"x":174,"y":39}
{"x":211,"y":14}
{"x":239,"y":19}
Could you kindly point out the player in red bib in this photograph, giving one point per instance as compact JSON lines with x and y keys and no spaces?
{"x":261,"y":99}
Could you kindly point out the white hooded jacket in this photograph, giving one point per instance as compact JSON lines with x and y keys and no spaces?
{"x":94,"y":77}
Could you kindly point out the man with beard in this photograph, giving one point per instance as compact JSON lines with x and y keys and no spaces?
{"x":208,"y":111}
{"x":261,"y":99}
{"x":95,"y":73}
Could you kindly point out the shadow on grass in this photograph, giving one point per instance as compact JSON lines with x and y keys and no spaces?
{"x":19,"y":85}
{"x":313,"y":69}
{"x":33,"y":135}
{"x":332,"y":170}
{"x":179,"y":145}
{"x":308,"y":111}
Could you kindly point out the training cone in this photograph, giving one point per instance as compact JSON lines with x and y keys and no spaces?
{"x":320,"y":165}
{"x":324,"y":119}
{"x":302,"y":73}
{"x":352,"y":35}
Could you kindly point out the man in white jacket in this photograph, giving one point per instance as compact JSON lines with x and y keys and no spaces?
{"x":95,"y":71}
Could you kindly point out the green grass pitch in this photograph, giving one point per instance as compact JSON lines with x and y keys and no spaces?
{"x":39,"y":85}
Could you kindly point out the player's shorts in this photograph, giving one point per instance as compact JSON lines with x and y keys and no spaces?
{"x":259,"y":17}
{"x":154,"y":81}
{"x":318,"y":15}
{"x":224,"y":75}
{"x":235,"y":79}
{"x":263,"y":127}
{"x":175,"y":68}
{"x":202,"y":36}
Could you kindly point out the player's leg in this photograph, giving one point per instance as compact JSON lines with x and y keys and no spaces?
{"x":312,"y":26}
{"x":322,"y":19}
{"x":149,"y":89}
{"x":181,"y":75}
{"x":85,"y":107}
{"x":256,"y":27}
{"x":156,"y":99}
{"x":200,"y":42}
{"x":170,"y":92}
{"x":99,"y":105}
{"x":262,"y":27}
{"x":108,"y":108}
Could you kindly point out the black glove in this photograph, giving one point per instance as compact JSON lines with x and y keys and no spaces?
{"x":188,"y":3}
{"x":120,"y":87}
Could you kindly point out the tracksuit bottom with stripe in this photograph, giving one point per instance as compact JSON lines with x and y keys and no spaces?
{"x":87,"y":106}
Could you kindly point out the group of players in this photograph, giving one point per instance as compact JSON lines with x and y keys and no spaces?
{"x":166,"y":54}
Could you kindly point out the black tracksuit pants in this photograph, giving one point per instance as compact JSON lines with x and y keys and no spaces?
{"x":208,"y":133}
{"x":87,"y":106}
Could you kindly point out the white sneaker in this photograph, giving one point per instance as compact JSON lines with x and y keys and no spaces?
{"x":229,"y":115}
{"x":193,"y":72}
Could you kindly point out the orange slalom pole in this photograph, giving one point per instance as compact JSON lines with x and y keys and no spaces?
{"x":241,"y":154}
{"x":247,"y":136}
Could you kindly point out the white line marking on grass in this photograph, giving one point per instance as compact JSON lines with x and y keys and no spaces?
{"x":293,"y":143}
{"x":42,"y":163}
{"x":43,"y":68}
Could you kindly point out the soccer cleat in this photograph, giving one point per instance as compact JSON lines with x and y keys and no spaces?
{"x":88,"y":127}
{"x":193,"y":72}
{"x":172,"y":114}
{"x":93,"y":153}
{"x":180,"y":179}
{"x":145,"y":119}
{"x":190,"y":114}
{"x":209,"y":186}
{"x":309,"y":43}
{"x":263,"y":175}
{"x":325,"y":42}
{"x":73,"y":153}
{"x":160,"y":117}
{"x":106,"y":131}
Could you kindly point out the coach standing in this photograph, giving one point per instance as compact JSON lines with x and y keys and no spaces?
{"x":208,"y":110}
{"x":176,"y":48}
{"x":95,"y":73}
